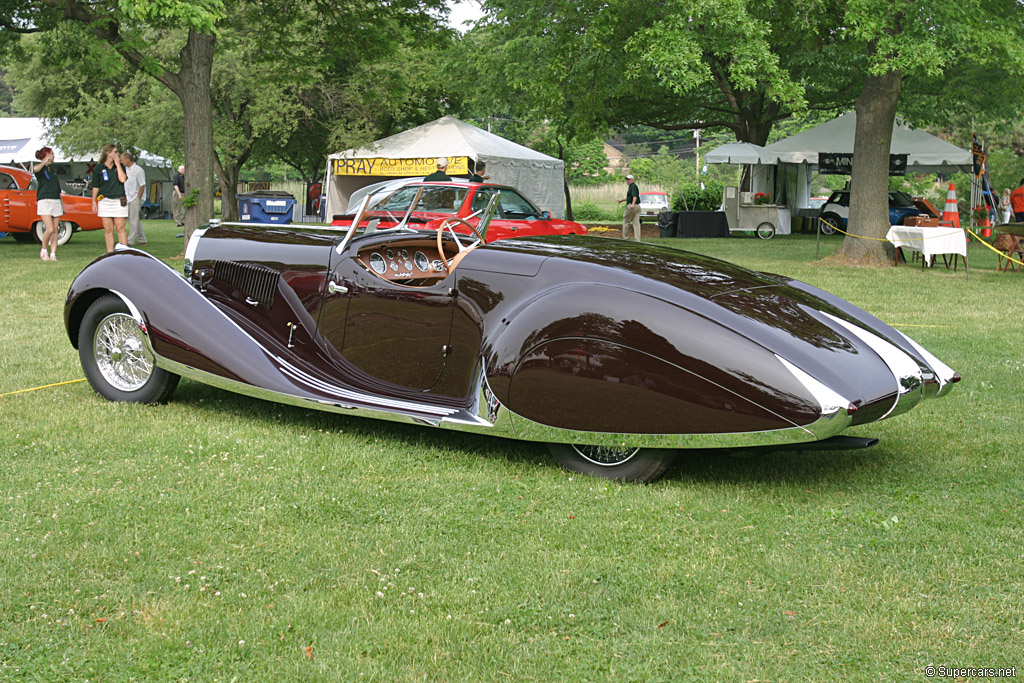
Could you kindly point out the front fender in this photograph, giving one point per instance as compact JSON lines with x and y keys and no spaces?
{"x":183,"y":328}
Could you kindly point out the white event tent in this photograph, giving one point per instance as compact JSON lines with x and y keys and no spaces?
{"x":413,"y":153}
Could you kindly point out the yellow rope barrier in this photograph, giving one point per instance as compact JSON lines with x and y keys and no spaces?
{"x":882,"y":239}
{"x":45,"y":386}
{"x":968,"y":230}
{"x":1005,"y":256}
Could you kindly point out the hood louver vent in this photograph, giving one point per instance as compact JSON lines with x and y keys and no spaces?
{"x":259,"y":284}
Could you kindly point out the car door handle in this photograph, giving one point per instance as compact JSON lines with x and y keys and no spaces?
{"x":334,"y":288}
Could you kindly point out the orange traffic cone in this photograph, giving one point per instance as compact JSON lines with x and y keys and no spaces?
{"x":950,"y":213}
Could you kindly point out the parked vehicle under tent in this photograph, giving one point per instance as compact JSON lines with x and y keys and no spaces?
{"x":413,"y":153}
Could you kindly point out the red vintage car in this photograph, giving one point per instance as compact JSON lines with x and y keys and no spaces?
{"x":18,"y":214}
{"x":429,"y":205}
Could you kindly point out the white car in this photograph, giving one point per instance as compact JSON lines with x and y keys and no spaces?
{"x":653,"y":203}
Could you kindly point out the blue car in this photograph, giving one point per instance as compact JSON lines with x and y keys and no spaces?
{"x":837,"y":209}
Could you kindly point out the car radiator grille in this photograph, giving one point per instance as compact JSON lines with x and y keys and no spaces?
{"x":255,"y":282}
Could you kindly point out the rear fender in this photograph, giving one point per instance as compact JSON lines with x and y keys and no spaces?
{"x":663,"y":368}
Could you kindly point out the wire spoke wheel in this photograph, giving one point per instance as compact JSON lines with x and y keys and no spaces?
{"x":605,"y":455}
{"x":120,"y":353}
{"x":624,"y":463}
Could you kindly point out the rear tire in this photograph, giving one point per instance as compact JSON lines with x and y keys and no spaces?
{"x":144,"y":213}
{"x":636,"y":465}
{"x":115,"y":357}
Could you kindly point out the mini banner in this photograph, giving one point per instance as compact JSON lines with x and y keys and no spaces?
{"x":842,"y":164}
{"x":399,"y":167}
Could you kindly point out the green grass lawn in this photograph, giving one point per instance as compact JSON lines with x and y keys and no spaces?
{"x":223,"y":538}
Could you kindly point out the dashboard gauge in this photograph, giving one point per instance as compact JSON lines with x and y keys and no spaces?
{"x":421,"y":261}
{"x":405,"y":255}
{"x":438,"y":265}
{"x":394,"y":266}
{"x":390,"y":254}
{"x":378,"y":264}
{"x":408,"y":266}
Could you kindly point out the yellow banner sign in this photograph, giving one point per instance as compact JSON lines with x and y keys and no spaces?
{"x":398,"y":167}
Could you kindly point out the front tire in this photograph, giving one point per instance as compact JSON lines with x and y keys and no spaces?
{"x":636,"y":465}
{"x":115,"y":357}
{"x":64,"y":230}
{"x":829,"y":223}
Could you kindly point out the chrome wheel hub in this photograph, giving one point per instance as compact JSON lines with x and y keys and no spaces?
{"x":606,"y":456}
{"x":120,"y":353}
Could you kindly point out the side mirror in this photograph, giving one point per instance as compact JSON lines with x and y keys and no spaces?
{"x":545,"y":215}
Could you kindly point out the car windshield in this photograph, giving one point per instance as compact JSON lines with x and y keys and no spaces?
{"x":900,"y":200}
{"x":513,"y":205}
{"x":653,"y":198}
{"x":434,"y":199}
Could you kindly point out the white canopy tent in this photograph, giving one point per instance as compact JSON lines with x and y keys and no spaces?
{"x":925,"y":152}
{"x":21,"y":137}
{"x":413,"y":153}
{"x":740,"y":153}
{"x":759,"y":160}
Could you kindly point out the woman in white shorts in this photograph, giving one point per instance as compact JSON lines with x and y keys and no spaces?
{"x":108,"y":197}
{"x":48,"y":203}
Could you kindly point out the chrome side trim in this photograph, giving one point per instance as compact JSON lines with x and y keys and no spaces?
{"x":495,"y":419}
{"x":909,"y":377}
{"x":487,"y":415}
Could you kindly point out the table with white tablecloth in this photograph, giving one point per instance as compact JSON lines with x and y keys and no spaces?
{"x":931,"y":242}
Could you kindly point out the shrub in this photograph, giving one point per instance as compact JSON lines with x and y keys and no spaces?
{"x":691,"y":197}
{"x":590,"y":211}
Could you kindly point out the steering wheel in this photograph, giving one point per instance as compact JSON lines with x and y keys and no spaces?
{"x":447,"y":226}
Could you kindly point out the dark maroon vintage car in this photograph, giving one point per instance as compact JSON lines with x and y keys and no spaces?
{"x":615,"y":353}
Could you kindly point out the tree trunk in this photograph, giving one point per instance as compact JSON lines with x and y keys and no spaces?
{"x":194,"y":93}
{"x":869,"y":181}
{"x":228,"y":176}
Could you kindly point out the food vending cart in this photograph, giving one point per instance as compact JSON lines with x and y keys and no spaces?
{"x":764,"y":220}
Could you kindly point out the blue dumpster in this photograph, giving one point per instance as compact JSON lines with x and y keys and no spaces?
{"x":265,"y":206}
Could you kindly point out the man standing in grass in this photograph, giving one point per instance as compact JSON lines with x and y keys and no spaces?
{"x":631,"y":216}
{"x":134,"y":189}
{"x":178,"y":205}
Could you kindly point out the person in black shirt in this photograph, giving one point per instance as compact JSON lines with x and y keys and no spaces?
{"x":48,"y":204}
{"x":108,"y":197}
{"x":631,"y":216}
{"x":478,"y":174}
{"x":439,"y":174}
